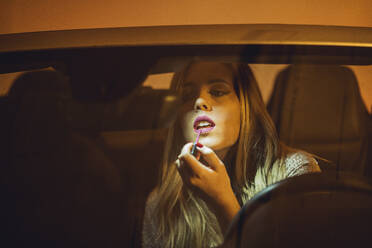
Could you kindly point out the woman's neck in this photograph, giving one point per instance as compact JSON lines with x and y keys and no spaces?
{"x":222,"y":153}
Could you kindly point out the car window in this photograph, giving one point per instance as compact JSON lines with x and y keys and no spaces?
{"x":84,"y":147}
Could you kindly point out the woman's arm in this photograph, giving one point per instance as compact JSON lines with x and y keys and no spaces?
{"x":226,"y":211}
{"x":210,"y":181}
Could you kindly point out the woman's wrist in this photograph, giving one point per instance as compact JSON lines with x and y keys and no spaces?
{"x":225,"y":210}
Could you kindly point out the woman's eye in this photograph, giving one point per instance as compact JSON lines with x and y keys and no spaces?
{"x":218,"y":93}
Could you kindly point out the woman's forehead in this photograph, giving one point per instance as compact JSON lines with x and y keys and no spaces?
{"x":208,"y":71}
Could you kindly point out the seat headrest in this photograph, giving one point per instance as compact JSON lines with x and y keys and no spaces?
{"x":328,"y":97}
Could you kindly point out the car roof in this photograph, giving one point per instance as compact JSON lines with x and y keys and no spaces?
{"x":225,"y":34}
{"x":249,"y":43}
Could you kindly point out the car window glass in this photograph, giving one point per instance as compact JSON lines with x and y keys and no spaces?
{"x":102,"y":158}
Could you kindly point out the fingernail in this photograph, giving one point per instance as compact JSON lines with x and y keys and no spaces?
{"x":199,"y":145}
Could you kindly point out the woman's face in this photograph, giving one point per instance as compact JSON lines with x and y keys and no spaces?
{"x":210,"y":105}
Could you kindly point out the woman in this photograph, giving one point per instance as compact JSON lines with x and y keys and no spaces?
{"x":238,"y":155}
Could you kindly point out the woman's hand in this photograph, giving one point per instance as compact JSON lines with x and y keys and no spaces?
{"x":210,"y":181}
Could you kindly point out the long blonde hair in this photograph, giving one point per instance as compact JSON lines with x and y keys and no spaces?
{"x":253,"y":163}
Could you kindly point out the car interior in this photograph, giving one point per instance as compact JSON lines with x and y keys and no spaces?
{"x":319,"y":109}
{"x":81,"y":151}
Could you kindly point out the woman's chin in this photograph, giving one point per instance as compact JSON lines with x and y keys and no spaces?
{"x":211,"y":143}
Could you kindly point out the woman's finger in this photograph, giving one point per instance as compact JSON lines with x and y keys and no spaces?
{"x":178,"y":164}
{"x":183,"y":171}
{"x":197,"y":155}
{"x":186,"y":149}
{"x":194,"y":165}
{"x":211,"y":158}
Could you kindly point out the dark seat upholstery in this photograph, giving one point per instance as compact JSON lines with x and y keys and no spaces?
{"x":75,"y":174}
{"x":60,"y":189}
{"x":313,"y":210}
{"x":319,"y":109}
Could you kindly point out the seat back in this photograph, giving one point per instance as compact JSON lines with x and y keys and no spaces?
{"x":319,"y":109}
{"x":61,"y":190}
{"x":313,"y":210}
{"x":78,"y":173}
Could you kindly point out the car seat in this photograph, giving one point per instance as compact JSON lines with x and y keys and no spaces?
{"x":60,"y":189}
{"x":331,"y":209}
{"x":319,"y":109}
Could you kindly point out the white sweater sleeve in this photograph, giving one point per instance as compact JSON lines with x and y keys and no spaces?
{"x":299,"y":163}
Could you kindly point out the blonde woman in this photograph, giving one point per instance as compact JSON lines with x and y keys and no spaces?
{"x":238,"y":155}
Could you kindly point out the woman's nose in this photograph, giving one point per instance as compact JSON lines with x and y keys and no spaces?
{"x":202,"y":104}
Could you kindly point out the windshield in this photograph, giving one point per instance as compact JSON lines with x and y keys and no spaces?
{"x":111,"y":150}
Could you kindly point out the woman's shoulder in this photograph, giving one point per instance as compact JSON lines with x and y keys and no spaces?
{"x":300,"y":162}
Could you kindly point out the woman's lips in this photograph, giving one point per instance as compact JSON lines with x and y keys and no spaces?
{"x":206,"y":120}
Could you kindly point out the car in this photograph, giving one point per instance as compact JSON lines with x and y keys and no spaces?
{"x":85,"y":115}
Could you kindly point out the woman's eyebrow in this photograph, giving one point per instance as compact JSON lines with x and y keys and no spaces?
{"x":212,"y":81}
{"x":218,"y":80}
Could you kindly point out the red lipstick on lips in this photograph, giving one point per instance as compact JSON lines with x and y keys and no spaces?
{"x":201,"y":129}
